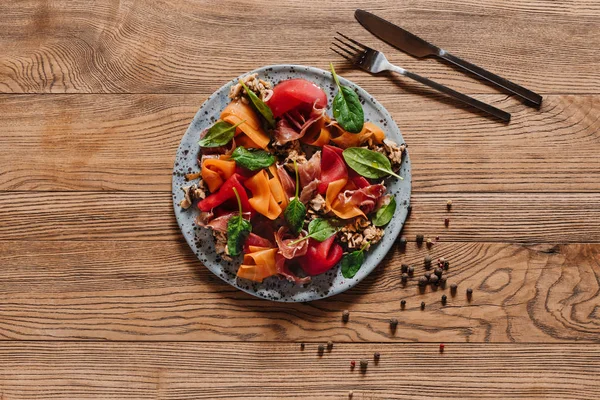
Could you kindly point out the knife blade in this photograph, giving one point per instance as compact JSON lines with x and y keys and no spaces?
{"x":409,"y":43}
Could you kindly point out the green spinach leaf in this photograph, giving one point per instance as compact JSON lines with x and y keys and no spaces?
{"x":352,"y":262}
{"x":260,"y":106}
{"x":219,"y":134}
{"x":295,"y":212}
{"x":238,"y":230}
{"x":252,"y":159}
{"x":368,"y":163}
{"x":347,"y":110}
{"x":385,"y":213}
{"x":319,"y":229}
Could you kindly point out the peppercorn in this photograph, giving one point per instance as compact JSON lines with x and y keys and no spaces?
{"x":444,"y":299}
{"x":302,"y":346}
{"x":446,"y":265}
{"x":434,"y":279}
{"x":427,"y":275}
{"x":345,"y":315}
{"x":429,"y":242}
{"x":393,"y":323}
{"x":420,"y":239}
{"x":404,"y":277}
{"x":449,"y":204}
{"x":469,"y":293}
{"x":329,"y":345}
{"x":321,"y":348}
{"x":364,"y":363}
{"x":443,"y":282}
{"x":404,"y":268}
{"x":423,"y":281}
{"x":438,"y":271}
{"x":411,"y":271}
{"x":376,"y":356}
{"x":453,"y":288}
{"x":442,"y":347}
{"x":352,"y":364}
{"x":402,"y":243}
{"x":447,"y":222}
{"x":427,"y":261}
{"x":422,"y":305}
{"x":350,"y":394}
{"x":403,"y":304}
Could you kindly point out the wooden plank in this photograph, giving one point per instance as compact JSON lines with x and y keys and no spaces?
{"x":113,"y":290}
{"x":491,"y":217}
{"x":128,"y":142}
{"x":188,"y":46}
{"x":282,"y":371}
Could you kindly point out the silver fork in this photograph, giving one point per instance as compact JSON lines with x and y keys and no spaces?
{"x":374,"y":62}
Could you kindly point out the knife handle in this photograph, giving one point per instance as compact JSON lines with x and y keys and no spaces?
{"x":513,"y":88}
{"x":496,"y":112}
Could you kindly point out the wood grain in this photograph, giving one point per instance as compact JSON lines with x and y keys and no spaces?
{"x":134,"y":291}
{"x":128,"y":142}
{"x":490,"y":217}
{"x":181,"y":46}
{"x":282,"y":371}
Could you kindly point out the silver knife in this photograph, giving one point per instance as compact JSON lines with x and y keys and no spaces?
{"x":417,"y":47}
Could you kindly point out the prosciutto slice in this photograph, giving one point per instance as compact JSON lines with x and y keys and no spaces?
{"x":295,"y":124}
{"x":287,"y":250}
{"x":220,"y":223}
{"x":310,"y":170}
{"x":288,"y":184}
{"x":309,"y":191}
{"x":365,"y":198}
{"x":284,"y":270}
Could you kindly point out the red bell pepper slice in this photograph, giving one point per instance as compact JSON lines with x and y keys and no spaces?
{"x":333,"y":167}
{"x":225,"y":193}
{"x":321,"y":257}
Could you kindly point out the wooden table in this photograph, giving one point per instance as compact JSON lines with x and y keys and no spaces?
{"x":100,"y":297}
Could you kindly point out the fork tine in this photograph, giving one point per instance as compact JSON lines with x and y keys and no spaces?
{"x":358,"y":51}
{"x":343,"y":55}
{"x":351,"y":54}
{"x":354,"y":41}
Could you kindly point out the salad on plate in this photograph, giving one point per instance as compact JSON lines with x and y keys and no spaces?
{"x":289,"y":190}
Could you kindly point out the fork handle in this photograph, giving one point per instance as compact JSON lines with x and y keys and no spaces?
{"x":496,"y":112}
{"x":511,"y":87}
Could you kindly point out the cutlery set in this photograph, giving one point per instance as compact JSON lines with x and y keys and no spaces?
{"x":374,"y":62}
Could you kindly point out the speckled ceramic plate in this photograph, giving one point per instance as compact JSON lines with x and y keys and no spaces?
{"x":201,"y":240}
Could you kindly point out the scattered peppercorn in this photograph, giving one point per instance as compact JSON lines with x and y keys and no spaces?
{"x":403,"y":304}
{"x":446,"y":265}
{"x":449,"y":204}
{"x":443,"y":282}
{"x":364,"y":363}
{"x":444,"y":299}
{"x":321,"y":348}
{"x":437,"y":238}
{"x":442,"y":347}
{"x":427,"y":261}
{"x":429,"y":242}
{"x":438,"y":271}
{"x":404,"y":277}
{"x":423,"y":281}
{"x":434,"y":279}
{"x":427,"y":275}
{"x":422,"y":305}
{"x":350,"y":394}
{"x":447,"y":222}
{"x":411,"y":271}
{"x":352,"y":364}
{"x":329,"y":345}
{"x":376,"y":356}
{"x":453,"y":288}
{"x":402,"y":243}
{"x":302,"y":346}
{"x":404,"y":267}
{"x":345,"y":315}
{"x":393,"y":323}
{"x":469,"y":293}
{"x":420,"y":239}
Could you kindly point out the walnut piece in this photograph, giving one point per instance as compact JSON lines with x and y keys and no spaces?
{"x":260,"y":87}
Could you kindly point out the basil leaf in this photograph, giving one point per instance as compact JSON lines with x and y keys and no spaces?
{"x":252,"y":159}
{"x":368,"y":163}
{"x":347,"y":110}
{"x":385,"y":213}
{"x":320,"y":229}
{"x":238,"y":230}
{"x":352,"y":262}
{"x":294,"y":215}
{"x":260,"y":106}
{"x":219,"y":134}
